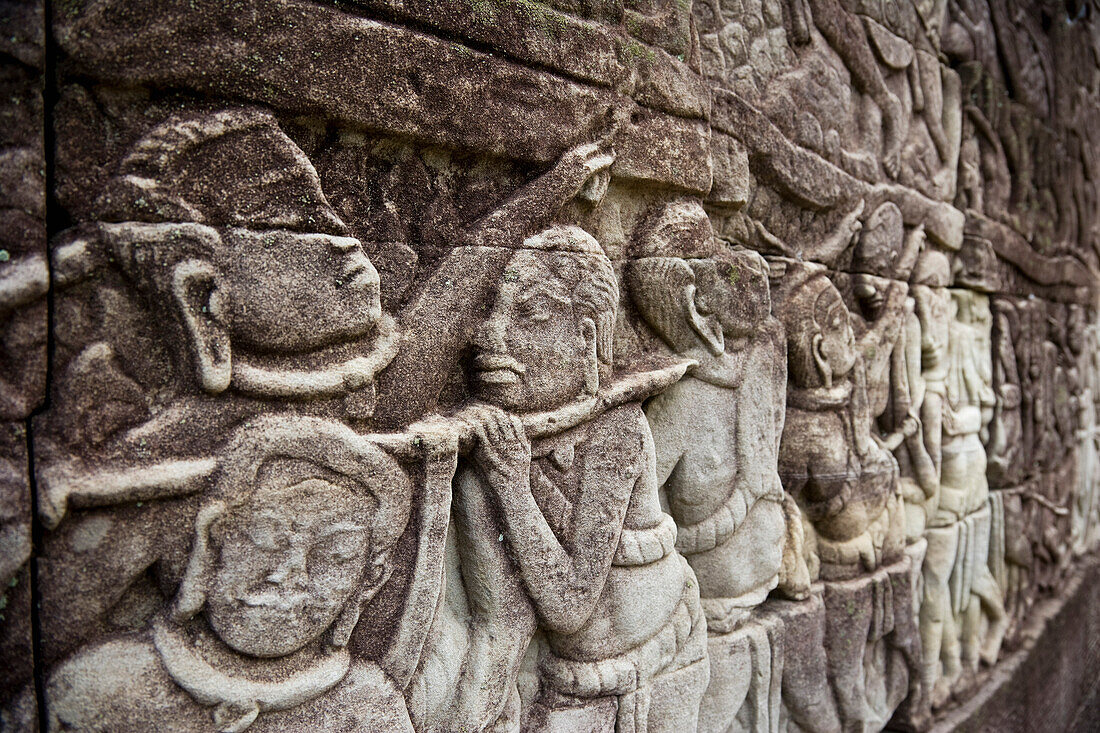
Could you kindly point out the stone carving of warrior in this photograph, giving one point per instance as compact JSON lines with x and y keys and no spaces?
{"x":846,"y":485}
{"x":843,"y":480}
{"x":1085,"y":505}
{"x":712,"y":305}
{"x":1005,"y":444}
{"x":939,"y":639}
{"x":889,"y":339}
{"x":562,"y":534}
{"x":716,"y":434}
{"x":218,"y":284}
{"x":964,"y":490}
{"x":1064,"y":340}
{"x":199,"y":206}
{"x":293,"y":540}
{"x":625,"y":637}
{"x":969,"y":404}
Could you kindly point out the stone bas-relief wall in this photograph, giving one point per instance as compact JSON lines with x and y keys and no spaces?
{"x":602,"y":365}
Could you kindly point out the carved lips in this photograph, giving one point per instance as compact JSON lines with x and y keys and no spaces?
{"x":359,"y":274}
{"x":497,"y":369}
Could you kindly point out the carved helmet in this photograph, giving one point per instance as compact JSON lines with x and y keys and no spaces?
{"x":228,"y":168}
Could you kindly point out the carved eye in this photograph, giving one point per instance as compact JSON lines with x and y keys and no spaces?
{"x":340,"y":547}
{"x":535,"y":309}
{"x":269,"y":533}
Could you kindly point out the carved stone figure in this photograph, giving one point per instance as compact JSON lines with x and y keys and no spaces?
{"x":295,"y":537}
{"x":171,"y":339}
{"x":712,"y":305}
{"x":931,"y":276}
{"x":1084,"y":518}
{"x":186,"y":235}
{"x":846,"y":485}
{"x":889,"y":337}
{"x":725,"y":495}
{"x":968,"y":621}
{"x":580,"y":511}
{"x":1005,"y":446}
{"x":964,"y":487}
{"x":844,"y":482}
{"x":554,"y":532}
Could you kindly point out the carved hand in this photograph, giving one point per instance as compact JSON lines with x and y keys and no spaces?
{"x":503,"y":452}
{"x":842,"y":236}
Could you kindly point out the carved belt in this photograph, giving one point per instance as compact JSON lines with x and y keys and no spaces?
{"x":643,"y":546}
{"x":680,"y":642}
{"x":724,"y":521}
{"x":715,"y":529}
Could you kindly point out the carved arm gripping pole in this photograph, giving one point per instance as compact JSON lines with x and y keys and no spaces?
{"x":69,"y":486}
{"x":631,"y":387}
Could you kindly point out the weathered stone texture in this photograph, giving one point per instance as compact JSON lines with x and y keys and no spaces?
{"x":548,"y":365}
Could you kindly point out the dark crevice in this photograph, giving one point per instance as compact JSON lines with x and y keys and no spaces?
{"x":49,"y":101}
{"x":409,"y":21}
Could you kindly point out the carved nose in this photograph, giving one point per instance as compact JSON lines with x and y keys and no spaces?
{"x":490,"y":336}
{"x":864,"y":290}
{"x":291,"y":570}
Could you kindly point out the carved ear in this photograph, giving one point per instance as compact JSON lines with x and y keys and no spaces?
{"x":592,"y":359}
{"x":346,"y":622}
{"x":375,"y":576}
{"x":707,"y":328}
{"x":821,"y":361}
{"x":200,"y":303}
{"x":192,"y":593}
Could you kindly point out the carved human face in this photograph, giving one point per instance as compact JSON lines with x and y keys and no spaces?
{"x":297,"y":292}
{"x":837,"y":346}
{"x":287,"y":564}
{"x":871,"y":292}
{"x":534,"y":349}
{"x":734,"y":293}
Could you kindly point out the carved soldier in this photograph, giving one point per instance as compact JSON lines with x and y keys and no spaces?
{"x":964,"y":488}
{"x":712,"y":305}
{"x":846,"y":485}
{"x":716,"y":433}
{"x":939,"y":638}
{"x":199,"y":206}
{"x":293,"y":541}
{"x":1085,"y":504}
{"x":169,"y":337}
{"x":1005,"y":445}
{"x":844,"y":482}
{"x":889,"y":336}
{"x":579,"y":512}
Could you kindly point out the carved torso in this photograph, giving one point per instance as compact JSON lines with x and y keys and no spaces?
{"x":614,"y":453}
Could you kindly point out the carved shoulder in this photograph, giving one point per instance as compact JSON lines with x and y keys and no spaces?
{"x":119,"y":685}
